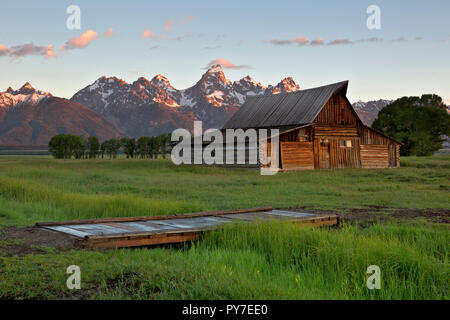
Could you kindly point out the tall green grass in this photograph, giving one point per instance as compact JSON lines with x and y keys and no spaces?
{"x":60,"y":190}
{"x":70,"y":205}
{"x":249,"y":261}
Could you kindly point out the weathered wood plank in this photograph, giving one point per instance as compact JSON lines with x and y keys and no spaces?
{"x":146,"y":218}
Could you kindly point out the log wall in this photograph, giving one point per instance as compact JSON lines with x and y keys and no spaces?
{"x":375,"y":156}
{"x":297,"y":155}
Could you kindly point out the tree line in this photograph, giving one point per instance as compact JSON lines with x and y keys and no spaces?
{"x":67,"y":146}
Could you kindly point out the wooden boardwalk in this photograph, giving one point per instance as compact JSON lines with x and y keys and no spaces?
{"x":152,"y":230}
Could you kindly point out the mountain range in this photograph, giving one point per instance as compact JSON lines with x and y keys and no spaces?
{"x":31,"y":117}
{"x":111,"y":107}
{"x":150,"y":107}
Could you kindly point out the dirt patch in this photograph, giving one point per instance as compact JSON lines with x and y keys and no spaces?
{"x":383,"y":214}
{"x":21,"y":241}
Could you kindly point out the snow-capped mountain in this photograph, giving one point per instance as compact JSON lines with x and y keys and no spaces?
{"x":31,"y":117}
{"x":213,"y":99}
{"x":285,"y":85}
{"x":368,"y":111}
{"x":26,"y":94}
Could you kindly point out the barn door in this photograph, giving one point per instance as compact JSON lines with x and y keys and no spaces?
{"x":324,"y":154}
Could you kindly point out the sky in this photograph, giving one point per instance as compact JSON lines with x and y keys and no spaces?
{"x":315,"y":42}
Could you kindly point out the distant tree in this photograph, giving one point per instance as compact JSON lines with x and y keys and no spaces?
{"x":153,"y":147}
{"x":93,"y":146}
{"x":57,"y":146}
{"x":64,"y":146}
{"x":79,"y":146}
{"x":164,"y":143}
{"x":129,"y":146}
{"x":142,"y":147}
{"x":114,"y":147}
{"x":103,"y":148}
{"x":419,"y":123}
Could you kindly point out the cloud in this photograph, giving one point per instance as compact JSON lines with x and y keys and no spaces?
{"x":168,"y":25}
{"x":147,"y":33}
{"x":373,"y":39}
{"x":447,"y":101}
{"x":280,"y":42}
{"x":317,"y":42}
{"x":301,"y":41}
{"x":401,"y":39}
{"x":339,"y":42}
{"x":4,"y":50}
{"x":27,"y":49}
{"x":418,"y":38}
{"x":81,"y":41}
{"x":109,"y":33}
{"x":226,"y":64}
{"x":186,"y":20}
{"x":212,"y":47}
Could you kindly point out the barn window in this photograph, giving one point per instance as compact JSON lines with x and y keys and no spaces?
{"x":342,"y":143}
{"x":348,"y":143}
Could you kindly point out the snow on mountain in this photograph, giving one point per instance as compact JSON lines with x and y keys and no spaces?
{"x":213,"y":99}
{"x":368,"y":111}
{"x":285,"y":85}
{"x":26,"y":94}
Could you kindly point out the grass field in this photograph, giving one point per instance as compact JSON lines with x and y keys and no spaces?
{"x":261,"y":261}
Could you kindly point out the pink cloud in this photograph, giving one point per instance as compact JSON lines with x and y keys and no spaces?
{"x":339,"y":42}
{"x":109,"y":33}
{"x":168,"y":25}
{"x":186,"y":19}
{"x":301,"y":41}
{"x":4,"y":50}
{"x":401,"y":39}
{"x":27,"y":49}
{"x":81,"y":41}
{"x":226,"y":64}
{"x":373,"y":39}
{"x":317,"y":42}
{"x":147,"y":33}
{"x":280,"y":42}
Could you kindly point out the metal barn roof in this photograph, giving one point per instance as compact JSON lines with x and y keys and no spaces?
{"x":293,"y":108}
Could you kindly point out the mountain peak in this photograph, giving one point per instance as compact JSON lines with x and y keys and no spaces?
{"x":286,"y":85}
{"x":160,"y":81}
{"x":215,"y":68}
{"x":10,"y":90}
{"x":27,"y":88}
{"x":159,"y":77}
{"x":105,"y":79}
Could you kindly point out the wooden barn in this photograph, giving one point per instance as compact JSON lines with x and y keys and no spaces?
{"x":319,"y":129}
